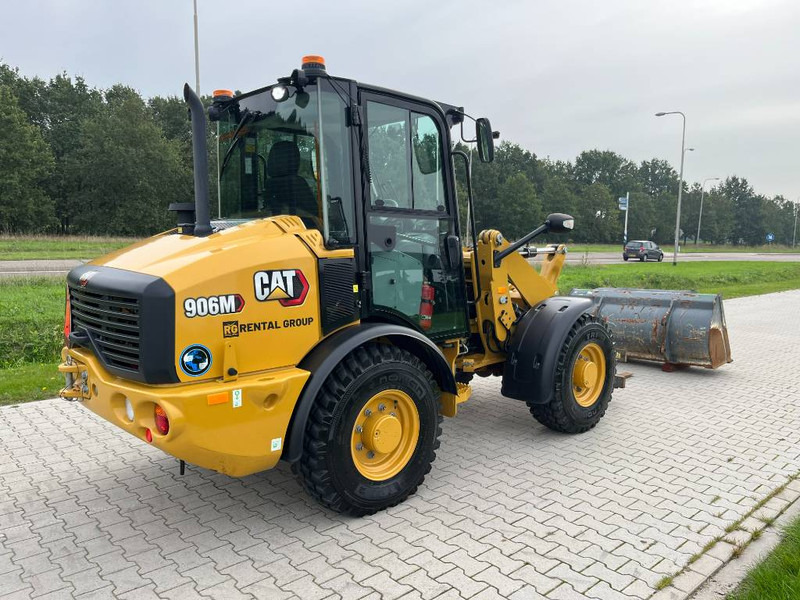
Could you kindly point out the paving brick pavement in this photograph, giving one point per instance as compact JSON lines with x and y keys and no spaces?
{"x":510,"y":509}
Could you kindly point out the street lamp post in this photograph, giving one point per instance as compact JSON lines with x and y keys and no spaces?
{"x":196,"y":53}
{"x":680,"y":185}
{"x":700,"y":217}
{"x":794,"y":231}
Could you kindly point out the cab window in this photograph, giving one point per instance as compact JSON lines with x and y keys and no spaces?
{"x":405,"y":162}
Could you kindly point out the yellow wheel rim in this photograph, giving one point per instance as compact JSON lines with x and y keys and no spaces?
{"x":385,"y":435}
{"x":589,"y":375}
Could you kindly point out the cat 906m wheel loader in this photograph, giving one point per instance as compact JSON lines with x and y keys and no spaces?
{"x":330,"y":314}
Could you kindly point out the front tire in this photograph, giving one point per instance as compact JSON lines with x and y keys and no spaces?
{"x":625,"y":257}
{"x":372,"y":432}
{"x":643,"y":257}
{"x":660,"y":257}
{"x":584,"y":379}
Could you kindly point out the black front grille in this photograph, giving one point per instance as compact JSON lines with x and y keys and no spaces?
{"x":111,"y":322}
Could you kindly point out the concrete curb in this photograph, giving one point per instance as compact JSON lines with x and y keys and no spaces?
{"x":718,"y":571}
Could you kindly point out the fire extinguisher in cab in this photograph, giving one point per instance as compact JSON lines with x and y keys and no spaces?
{"x":426,"y":305}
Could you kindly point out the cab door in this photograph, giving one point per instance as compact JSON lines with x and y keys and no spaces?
{"x":413,"y":247}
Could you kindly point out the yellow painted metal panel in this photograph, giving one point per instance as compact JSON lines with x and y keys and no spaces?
{"x":235,"y":439}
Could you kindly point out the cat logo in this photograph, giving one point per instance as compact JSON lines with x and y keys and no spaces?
{"x":86,"y":277}
{"x":287,"y":286}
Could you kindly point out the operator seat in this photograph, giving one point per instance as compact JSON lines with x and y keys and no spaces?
{"x":287,"y":192}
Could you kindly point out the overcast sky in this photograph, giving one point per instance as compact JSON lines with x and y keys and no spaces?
{"x":556,"y":76}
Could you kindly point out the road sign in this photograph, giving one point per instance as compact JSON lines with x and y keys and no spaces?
{"x":623,"y":204}
{"x":770,"y":237}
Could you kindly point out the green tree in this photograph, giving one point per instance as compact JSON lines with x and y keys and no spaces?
{"x":597,"y":215}
{"x":26,"y":163}
{"x":748,"y":217}
{"x":616,"y":172}
{"x":643,"y":217}
{"x":125,"y":172}
{"x":66,"y":104}
{"x":657,"y":178}
{"x":171,"y":114}
{"x":518,"y":210}
{"x":718,"y":218}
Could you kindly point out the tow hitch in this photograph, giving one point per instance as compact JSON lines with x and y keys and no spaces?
{"x":76,"y":378}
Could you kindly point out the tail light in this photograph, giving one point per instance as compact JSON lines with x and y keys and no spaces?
{"x":67,"y":318}
{"x":162,"y":422}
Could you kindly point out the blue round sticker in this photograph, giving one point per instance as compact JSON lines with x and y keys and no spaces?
{"x":195,"y":360}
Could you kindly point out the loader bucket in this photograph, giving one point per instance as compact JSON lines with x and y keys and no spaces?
{"x":669,"y":326}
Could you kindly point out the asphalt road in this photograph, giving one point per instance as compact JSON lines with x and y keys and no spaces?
{"x":22,"y":268}
{"x":28,"y":268}
{"x":610,"y":258}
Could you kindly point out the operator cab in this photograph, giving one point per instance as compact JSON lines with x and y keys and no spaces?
{"x":370,"y":169}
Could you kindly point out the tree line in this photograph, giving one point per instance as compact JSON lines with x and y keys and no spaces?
{"x":516,"y":191}
{"x":75,"y":159}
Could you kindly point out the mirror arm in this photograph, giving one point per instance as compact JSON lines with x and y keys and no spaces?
{"x":471,"y":224}
{"x":463,"y":139}
{"x":499,"y":255}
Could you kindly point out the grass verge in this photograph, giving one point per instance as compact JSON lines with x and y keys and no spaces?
{"x":31,"y":247}
{"x":30,"y":381}
{"x":731,"y":279}
{"x":778,"y":576}
{"x":31,"y":320}
{"x":688,"y":248}
{"x":32,"y":309}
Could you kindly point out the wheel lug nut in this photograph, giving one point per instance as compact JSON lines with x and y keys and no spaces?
{"x":359,"y":446}
{"x":370,"y":454}
{"x":381,"y":407}
{"x":368,"y":412}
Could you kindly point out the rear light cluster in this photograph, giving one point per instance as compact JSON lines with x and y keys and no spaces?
{"x":162,"y":422}
{"x":67,"y":318}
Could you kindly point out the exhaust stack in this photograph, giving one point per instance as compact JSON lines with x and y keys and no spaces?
{"x":202,"y":202}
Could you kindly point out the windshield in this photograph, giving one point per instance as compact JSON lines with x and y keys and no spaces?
{"x":275,"y":162}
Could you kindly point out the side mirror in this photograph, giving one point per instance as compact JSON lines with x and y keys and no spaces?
{"x":483,"y":133}
{"x":559,"y":223}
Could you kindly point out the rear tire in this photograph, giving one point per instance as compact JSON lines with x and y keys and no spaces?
{"x":625,"y":257}
{"x":572,"y":409}
{"x":643,"y":257}
{"x":332,"y":469}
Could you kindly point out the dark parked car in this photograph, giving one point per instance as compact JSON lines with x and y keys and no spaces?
{"x":642,"y":250}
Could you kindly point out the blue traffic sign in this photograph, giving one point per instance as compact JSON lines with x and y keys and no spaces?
{"x":770,"y":237}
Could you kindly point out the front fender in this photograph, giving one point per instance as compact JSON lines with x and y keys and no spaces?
{"x":533,"y":352}
{"x":322,"y":360}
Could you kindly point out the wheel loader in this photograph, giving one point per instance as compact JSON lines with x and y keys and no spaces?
{"x":332,"y":311}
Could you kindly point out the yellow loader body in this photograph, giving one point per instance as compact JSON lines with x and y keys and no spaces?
{"x":233,"y":416}
{"x":234,"y":427}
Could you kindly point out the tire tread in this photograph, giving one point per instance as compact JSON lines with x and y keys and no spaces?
{"x":552,"y":414}
{"x":312,"y":467}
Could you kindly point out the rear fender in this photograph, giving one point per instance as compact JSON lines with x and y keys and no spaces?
{"x":322,"y":360}
{"x":529,"y":370}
